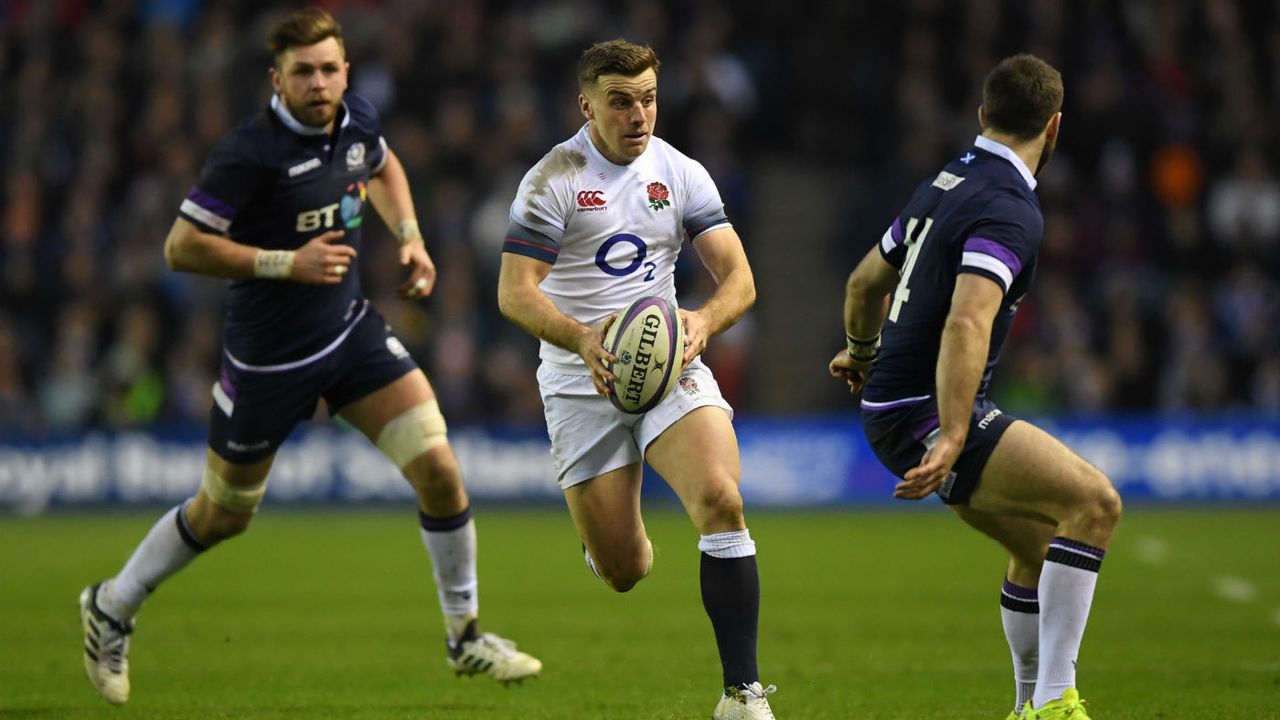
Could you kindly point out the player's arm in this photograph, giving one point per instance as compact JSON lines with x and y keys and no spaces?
{"x":865,"y":295}
{"x":322,"y":261}
{"x":966,"y":342}
{"x":523,"y":302}
{"x":721,"y":252}
{"x":390,"y":196}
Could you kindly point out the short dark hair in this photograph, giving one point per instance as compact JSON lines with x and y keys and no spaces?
{"x":301,"y":28}
{"x":1021,"y":94}
{"x":615,"y":57}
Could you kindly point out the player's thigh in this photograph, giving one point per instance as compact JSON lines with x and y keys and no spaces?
{"x":403,"y":420}
{"x":698,"y":457}
{"x":239,"y":474}
{"x":589,"y":436}
{"x":1025,"y":539}
{"x":1031,"y":474}
{"x":371,"y":413}
{"x":606,"y":512}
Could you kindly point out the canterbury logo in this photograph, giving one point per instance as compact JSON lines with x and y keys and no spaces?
{"x":591,"y":199}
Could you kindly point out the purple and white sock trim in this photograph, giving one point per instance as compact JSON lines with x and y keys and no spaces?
{"x":1019,"y":599}
{"x":444,"y":524}
{"x":1074,"y":553}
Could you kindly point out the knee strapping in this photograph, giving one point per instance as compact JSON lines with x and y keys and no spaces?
{"x":236,"y":498}
{"x":412,"y":433}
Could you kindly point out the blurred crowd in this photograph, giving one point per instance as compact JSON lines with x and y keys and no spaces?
{"x":1158,"y":286}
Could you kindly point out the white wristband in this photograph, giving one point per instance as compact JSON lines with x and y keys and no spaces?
{"x":273,"y":264}
{"x":407,"y":231}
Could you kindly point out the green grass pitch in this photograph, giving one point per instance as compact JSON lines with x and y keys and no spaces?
{"x":868,"y":615}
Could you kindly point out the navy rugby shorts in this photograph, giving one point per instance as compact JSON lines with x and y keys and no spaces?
{"x":898,"y":436}
{"x":255,"y":409}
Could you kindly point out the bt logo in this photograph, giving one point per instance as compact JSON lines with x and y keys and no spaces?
{"x":349,"y":208}
{"x":316,"y":219}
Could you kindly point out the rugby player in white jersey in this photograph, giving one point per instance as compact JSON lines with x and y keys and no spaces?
{"x":278,"y":209}
{"x":597,"y":223}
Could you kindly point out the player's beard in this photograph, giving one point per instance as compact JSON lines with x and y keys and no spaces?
{"x":1046,"y":152}
{"x":313,"y":115}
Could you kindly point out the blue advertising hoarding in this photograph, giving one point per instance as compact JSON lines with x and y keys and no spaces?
{"x":785,"y":462}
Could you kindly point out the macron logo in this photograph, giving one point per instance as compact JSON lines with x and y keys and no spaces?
{"x":297,"y":170}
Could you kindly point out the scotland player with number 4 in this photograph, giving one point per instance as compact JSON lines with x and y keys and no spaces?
{"x":278,"y":209}
{"x":954,"y":265}
{"x":596,"y":225}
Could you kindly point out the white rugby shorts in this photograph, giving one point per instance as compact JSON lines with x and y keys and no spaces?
{"x":590,"y":437}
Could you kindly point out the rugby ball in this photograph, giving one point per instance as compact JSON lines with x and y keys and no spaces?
{"x":647,"y":338}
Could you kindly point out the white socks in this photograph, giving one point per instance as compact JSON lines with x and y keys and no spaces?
{"x":732,"y":544}
{"x":1066,"y":593}
{"x":451,"y":543}
{"x":1020,"y":615}
{"x":166,"y":549}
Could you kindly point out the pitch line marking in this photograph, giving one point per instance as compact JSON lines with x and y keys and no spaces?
{"x":1152,"y":550}
{"x":1235,"y":589}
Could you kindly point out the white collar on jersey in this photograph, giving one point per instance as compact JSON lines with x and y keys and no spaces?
{"x":1004,"y":151}
{"x":293,"y":123}
{"x":585,"y":131}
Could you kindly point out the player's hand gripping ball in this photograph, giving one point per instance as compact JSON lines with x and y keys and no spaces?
{"x":648,"y":340}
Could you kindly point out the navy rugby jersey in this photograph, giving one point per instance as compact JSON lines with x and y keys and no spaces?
{"x":979,"y":215}
{"x":275,"y":183}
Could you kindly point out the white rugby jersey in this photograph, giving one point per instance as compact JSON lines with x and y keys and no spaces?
{"x":612,"y":232}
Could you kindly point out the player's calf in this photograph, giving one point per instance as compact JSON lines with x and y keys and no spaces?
{"x":624,"y":569}
{"x":436,"y":478}
{"x":222,"y":510}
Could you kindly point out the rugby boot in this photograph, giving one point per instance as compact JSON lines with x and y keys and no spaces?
{"x":478,"y":652}
{"x":745,"y":703}
{"x":1068,"y":707}
{"x":106,"y":648}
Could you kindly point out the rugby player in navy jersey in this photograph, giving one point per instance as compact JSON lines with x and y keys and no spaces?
{"x":926,"y":313}
{"x":278,"y":209}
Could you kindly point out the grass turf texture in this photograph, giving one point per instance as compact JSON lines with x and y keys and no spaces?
{"x":865,"y":615}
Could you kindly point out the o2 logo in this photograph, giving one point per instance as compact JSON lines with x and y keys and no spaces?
{"x":637,"y":262}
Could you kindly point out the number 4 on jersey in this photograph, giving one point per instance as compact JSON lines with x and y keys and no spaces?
{"x":914,"y":242}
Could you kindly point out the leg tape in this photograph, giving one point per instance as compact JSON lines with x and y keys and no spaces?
{"x":413,"y":432}
{"x":236,"y":498}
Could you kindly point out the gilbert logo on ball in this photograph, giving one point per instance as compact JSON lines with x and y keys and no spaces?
{"x":648,"y":340}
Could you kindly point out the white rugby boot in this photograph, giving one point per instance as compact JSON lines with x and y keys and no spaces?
{"x":745,"y":703}
{"x":106,"y":648}
{"x":487,"y":653}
